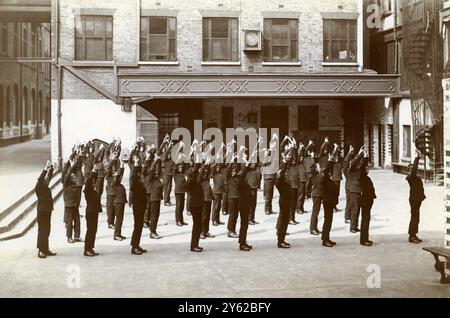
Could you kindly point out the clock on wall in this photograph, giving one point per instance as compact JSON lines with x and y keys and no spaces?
{"x":252,"y":40}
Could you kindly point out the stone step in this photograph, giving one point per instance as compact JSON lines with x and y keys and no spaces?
{"x":23,"y":217}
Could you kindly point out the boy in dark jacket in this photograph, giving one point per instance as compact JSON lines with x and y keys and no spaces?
{"x":93,"y":207}
{"x":329,"y":201}
{"x":180,"y":179}
{"x":120,"y":199}
{"x":367,"y":197}
{"x":72,"y":184}
{"x":218,"y":192}
{"x":44,"y":210}
{"x":139,"y":202}
{"x":302,"y":179}
{"x":204,"y":175}
{"x":416,"y":197}
{"x":195,"y":190}
{"x":156,"y":195}
{"x":284,"y":202}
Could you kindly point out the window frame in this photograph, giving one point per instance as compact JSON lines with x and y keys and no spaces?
{"x":167,"y":122}
{"x":24,"y":45}
{"x":407,"y":132}
{"x":16,"y":40}
{"x":84,"y":37}
{"x":268,"y":54}
{"x":4,"y":39}
{"x":329,"y":40}
{"x":230,"y":39}
{"x":147,"y":38}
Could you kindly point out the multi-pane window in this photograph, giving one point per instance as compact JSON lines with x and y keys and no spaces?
{"x":339,"y":40}
{"x":4,"y":38}
{"x":158,"y":39}
{"x":167,"y":122}
{"x":94,"y":38}
{"x":33,"y":43}
{"x":24,"y":41}
{"x":39,"y":47}
{"x":406,"y":141}
{"x":16,"y":43}
{"x":220,"y":39}
{"x":280,"y":40}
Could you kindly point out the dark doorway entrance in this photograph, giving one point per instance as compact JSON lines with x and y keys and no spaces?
{"x":353,"y":123}
{"x":174,"y":113}
{"x":275,"y":117}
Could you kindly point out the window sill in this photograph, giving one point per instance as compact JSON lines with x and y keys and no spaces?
{"x":299,"y":63}
{"x":92,"y":63}
{"x":158,"y":63}
{"x":221,"y":63}
{"x":340,"y":64}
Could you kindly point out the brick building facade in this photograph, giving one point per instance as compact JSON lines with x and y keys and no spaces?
{"x":300,"y":66}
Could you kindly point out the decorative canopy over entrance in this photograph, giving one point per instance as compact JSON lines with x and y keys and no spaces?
{"x":257,"y":85}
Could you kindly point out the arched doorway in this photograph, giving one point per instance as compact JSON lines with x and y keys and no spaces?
{"x":25,"y":107}
{"x":8,"y":107}
{"x":33,"y":108}
{"x":40,"y":116}
{"x":16,"y":105}
{"x":47,"y":115}
{"x":2,"y":108}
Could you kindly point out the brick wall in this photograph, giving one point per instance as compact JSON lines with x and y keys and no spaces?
{"x":330,"y":111}
{"x":189,"y":33}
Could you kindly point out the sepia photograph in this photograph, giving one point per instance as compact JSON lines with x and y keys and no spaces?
{"x":224,"y":153}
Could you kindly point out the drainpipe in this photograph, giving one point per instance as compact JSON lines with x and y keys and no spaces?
{"x":58,"y":83}
{"x":20,"y":122}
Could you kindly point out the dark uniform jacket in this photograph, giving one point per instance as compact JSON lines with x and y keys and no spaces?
{"x":345,"y":167}
{"x":294,"y":176}
{"x":139,"y":197}
{"x":416,"y":191}
{"x":180,"y":181}
{"x":354,"y":174}
{"x":245,"y":189}
{"x":72,"y":191}
{"x":329,"y":188}
{"x":284,"y":188}
{"x":194,"y":189}
{"x":43,"y":192}
{"x":218,"y":180}
{"x":308,"y":162}
{"x":368,"y":190}
{"x":92,"y":197}
{"x":155,"y":186}
{"x":120,"y":193}
{"x":204,"y":176}
{"x":234,"y":182}
{"x":252,"y":177}
{"x":167,"y":163}
{"x":302,"y":176}
{"x":336,"y":172}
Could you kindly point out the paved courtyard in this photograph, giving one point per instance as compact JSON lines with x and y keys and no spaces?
{"x":19,"y":165}
{"x":306,"y":270}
